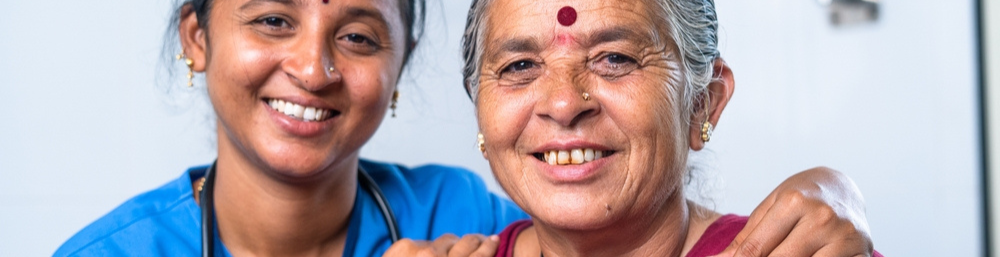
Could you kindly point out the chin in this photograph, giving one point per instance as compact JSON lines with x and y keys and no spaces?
{"x":297,"y":164}
{"x":575,"y":212}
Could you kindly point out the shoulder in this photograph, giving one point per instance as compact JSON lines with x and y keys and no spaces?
{"x":446,"y":199}
{"x":509,"y":236}
{"x":426,"y":179}
{"x":718,"y":235}
{"x":152,"y":223}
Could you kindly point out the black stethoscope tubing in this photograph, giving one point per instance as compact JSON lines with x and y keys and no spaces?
{"x":207,"y":203}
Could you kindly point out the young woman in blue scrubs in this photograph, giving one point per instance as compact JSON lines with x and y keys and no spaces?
{"x":298,"y":86}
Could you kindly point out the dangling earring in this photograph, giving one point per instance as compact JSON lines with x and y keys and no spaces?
{"x":190,"y":63}
{"x":706,"y":132}
{"x":482,"y":143}
{"x":395,"y":99}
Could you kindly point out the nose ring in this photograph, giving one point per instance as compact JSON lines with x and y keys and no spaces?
{"x":586,"y":96}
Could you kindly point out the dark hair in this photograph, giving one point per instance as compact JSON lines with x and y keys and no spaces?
{"x":412,"y":12}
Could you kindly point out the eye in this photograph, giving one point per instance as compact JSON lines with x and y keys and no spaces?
{"x":614,"y":65}
{"x":520,"y":72}
{"x":519,"y":66}
{"x":274,"y":22}
{"x":358,"y":39}
{"x":360,"y":43}
{"x":619,"y":59}
{"x":272,"y":25}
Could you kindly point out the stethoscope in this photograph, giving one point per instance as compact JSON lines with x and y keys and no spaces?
{"x":206,"y":203}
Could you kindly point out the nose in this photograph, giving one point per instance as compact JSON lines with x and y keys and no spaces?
{"x":565,"y":101}
{"x":311,"y":64}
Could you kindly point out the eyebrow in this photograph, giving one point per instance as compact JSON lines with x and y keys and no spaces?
{"x":256,"y":3}
{"x":352,"y":11}
{"x":616,"y":33}
{"x":361,"y":12}
{"x":516,"y":45}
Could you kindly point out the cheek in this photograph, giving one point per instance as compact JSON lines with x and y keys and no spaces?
{"x":369,"y":88}
{"x":502,"y":114}
{"x":234,"y":75}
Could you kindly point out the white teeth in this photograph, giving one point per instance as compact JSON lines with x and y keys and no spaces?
{"x":309,"y":114}
{"x":280,"y":105}
{"x":574,"y":156}
{"x":273,"y":104}
{"x":298,"y":111}
{"x":289,"y":108}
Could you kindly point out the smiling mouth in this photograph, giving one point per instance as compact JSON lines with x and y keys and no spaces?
{"x":299,"y":112}
{"x":571,"y":157}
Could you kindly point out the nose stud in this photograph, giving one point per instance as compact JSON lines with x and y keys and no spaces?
{"x":586,"y":96}
{"x":331,"y":69}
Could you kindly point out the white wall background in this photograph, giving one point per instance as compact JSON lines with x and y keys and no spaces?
{"x":83,"y":127}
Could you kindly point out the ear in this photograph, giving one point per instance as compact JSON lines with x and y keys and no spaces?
{"x":710,"y":105}
{"x":192,"y":38}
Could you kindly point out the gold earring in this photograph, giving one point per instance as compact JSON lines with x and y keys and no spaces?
{"x":395,"y":99}
{"x":586,"y":96}
{"x":190,"y":63}
{"x":482,"y":143}
{"x":706,"y":132}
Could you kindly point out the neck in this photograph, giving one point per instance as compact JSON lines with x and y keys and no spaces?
{"x":662,"y":232}
{"x":261,"y":215}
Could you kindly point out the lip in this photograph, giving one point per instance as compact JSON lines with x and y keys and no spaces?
{"x":298,"y":127}
{"x":573,"y":173}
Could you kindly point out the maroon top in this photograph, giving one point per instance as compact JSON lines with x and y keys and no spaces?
{"x":715,"y":239}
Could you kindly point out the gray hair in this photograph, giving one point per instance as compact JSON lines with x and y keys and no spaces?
{"x":693,"y":28}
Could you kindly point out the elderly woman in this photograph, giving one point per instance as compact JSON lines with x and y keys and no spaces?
{"x":588,"y":111}
{"x":298,"y":86}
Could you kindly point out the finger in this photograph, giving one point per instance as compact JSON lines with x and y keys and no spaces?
{"x":837,"y":251}
{"x":465,"y":246}
{"x":488,"y":248}
{"x":776,"y":224}
{"x":802,"y":241}
{"x":442,"y":244}
{"x":729,"y":252}
{"x":404,"y":247}
{"x":755,"y":217}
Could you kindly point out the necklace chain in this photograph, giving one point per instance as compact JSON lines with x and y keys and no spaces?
{"x":199,"y":186}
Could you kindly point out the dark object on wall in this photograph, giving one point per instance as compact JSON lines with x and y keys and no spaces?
{"x":852,"y":12}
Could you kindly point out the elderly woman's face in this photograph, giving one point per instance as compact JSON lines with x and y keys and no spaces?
{"x":569,"y":161}
{"x":278,"y":103}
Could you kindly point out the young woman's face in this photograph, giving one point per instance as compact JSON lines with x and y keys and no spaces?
{"x":580,"y":162}
{"x":269,"y":79}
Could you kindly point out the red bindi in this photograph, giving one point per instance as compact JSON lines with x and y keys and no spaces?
{"x":566,"y":16}
{"x":326,"y":1}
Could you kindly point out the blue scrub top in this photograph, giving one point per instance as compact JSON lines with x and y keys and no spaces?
{"x":428,"y":201}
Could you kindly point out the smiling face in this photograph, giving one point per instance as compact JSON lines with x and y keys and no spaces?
{"x":537,"y":124}
{"x":279,"y":105}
